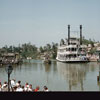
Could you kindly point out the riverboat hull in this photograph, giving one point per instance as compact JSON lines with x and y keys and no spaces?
{"x":73,"y":61}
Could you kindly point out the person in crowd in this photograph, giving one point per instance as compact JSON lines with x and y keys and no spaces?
{"x":37,"y":89}
{"x":19,"y":89}
{"x":5,"y":86}
{"x":30,"y":88}
{"x":0,"y":86}
{"x":23,"y":88}
{"x":18,"y":83}
{"x":14,"y":89}
{"x":13,"y":84}
{"x":45,"y":89}
{"x":26,"y":87}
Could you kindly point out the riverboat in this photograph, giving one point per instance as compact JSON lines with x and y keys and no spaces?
{"x":73,"y":50}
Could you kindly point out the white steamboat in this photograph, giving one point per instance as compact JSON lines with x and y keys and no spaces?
{"x":73,"y":50}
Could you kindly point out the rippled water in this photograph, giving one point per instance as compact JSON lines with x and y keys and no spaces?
{"x":57,"y":76}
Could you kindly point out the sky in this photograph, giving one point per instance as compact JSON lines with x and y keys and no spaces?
{"x":46,"y":21}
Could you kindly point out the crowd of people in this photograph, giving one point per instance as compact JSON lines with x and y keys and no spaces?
{"x":17,"y":87}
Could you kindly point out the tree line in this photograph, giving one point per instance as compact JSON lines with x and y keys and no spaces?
{"x":30,"y":50}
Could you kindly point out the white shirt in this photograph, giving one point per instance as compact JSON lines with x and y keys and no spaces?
{"x":4,"y":85}
{"x":19,"y":89}
{"x":29,"y":89}
{"x":13,"y":83}
{"x":46,"y":90}
{"x":26,"y":88}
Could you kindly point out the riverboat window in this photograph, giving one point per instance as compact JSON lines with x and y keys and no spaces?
{"x":69,"y":49}
{"x":74,"y":56}
{"x":73,"y":49}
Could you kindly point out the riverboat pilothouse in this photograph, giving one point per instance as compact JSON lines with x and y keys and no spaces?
{"x":73,"y":50}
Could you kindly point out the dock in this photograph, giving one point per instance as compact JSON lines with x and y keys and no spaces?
{"x":10,"y":58}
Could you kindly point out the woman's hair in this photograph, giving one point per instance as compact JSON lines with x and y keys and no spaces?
{"x":19,"y":82}
{"x":45,"y":87}
{"x":26,"y":83}
{"x":5,"y":82}
{"x":38,"y":87}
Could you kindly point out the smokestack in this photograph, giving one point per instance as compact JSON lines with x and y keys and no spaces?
{"x":68,"y":33}
{"x":80,"y":34}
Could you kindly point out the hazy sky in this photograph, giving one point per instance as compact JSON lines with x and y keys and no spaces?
{"x":45,"y":21}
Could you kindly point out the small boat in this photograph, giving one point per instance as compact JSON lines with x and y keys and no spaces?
{"x":47,"y":59}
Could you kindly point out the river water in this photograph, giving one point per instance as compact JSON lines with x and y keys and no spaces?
{"x":57,"y":76}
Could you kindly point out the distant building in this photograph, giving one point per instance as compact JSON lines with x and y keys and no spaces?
{"x":10,"y":58}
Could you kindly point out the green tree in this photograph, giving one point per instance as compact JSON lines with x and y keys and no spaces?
{"x":29,"y":50}
{"x":41,"y":49}
{"x":48,"y":46}
{"x":54,"y":49}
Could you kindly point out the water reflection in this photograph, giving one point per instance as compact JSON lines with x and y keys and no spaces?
{"x":50,"y":71}
{"x":98,"y":82}
{"x":57,"y":76}
{"x":75,"y":74}
{"x":54,"y":66}
{"x":47,"y":68}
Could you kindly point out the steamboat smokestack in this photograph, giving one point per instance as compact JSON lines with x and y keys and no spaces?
{"x":68,"y":34}
{"x":80,"y":34}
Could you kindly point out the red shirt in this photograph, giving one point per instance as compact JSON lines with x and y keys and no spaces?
{"x":35,"y":90}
